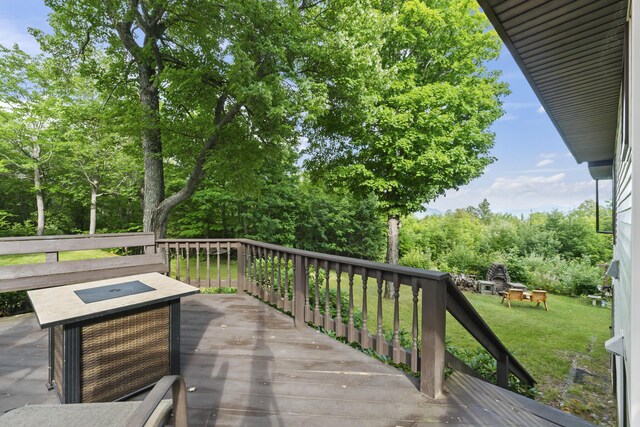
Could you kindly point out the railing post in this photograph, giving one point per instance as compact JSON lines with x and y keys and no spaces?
{"x":434,"y":310}
{"x":241,"y":268}
{"x":299,"y":286}
{"x":502,"y":371}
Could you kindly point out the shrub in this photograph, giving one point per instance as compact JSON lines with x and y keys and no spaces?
{"x":581,"y":278}
{"x":14,"y":303}
{"x":417,"y":258}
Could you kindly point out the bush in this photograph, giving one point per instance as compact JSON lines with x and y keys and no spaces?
{"x":14,"y":303}
{"x":581,"y":278}
{"x":417,"y":259}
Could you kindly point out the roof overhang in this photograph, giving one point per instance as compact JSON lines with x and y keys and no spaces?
{"x":571,"y":52}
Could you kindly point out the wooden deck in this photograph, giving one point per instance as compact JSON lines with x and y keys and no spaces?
{"x":251,"y":367}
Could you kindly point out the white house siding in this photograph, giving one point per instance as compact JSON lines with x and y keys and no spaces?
{"x":631,"y":295}
{"x":622,"y":252}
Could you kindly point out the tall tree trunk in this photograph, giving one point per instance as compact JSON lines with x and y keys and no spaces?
{"x":393,"y":232}
{"x":37,"y":183}
{"x":93,"y":208}
{"x":152,"y":149}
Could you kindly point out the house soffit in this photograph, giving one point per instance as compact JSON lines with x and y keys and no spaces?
{"x":571,"y":52}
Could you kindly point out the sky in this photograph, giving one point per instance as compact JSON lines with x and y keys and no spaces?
{"x":534,"y":170}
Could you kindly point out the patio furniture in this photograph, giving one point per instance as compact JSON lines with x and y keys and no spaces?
{"x":536,"y":296}
{"x":111,"y":338}
{"x":512,"y":295}
{"x":151,"y":412}
{"x":539,"y":297}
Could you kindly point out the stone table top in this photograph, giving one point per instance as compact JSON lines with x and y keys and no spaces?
{"x":61,"y":305}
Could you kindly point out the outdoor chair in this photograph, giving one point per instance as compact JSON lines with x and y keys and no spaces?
{"x":539,"y":297}
{"x":153,"y":411}
{"x":512,"y":295}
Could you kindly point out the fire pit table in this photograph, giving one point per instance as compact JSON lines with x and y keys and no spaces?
{"x":112,"y":338}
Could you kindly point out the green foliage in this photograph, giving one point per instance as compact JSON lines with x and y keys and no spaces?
{"x":214,"y":290}
{"x":484,"y":364}
{"x":552,"y":251}
{"x":413,"y":119}
{"x":14,"y":303}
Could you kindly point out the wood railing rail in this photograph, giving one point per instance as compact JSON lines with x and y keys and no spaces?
{"x":322,"y":289}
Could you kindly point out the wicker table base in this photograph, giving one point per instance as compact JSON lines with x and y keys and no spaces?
{"x":110,"y":358}
{"x":111,"y":347}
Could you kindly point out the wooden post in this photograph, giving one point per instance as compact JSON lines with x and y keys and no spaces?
{"x":241,"y":268}
{"x":434,"y":310}
{"x":502,"y":371}
{"x":299,"y":286}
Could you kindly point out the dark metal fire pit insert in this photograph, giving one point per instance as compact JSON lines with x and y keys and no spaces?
{"x":113,"y":291}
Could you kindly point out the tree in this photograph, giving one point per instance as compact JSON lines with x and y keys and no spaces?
{"x":420,"y":125}
{"x":207,"y":74}
{"x":96,"y":146}
{"x":28,"y":109}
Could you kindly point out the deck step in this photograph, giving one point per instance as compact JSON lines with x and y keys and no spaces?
{"x":465,"y":389}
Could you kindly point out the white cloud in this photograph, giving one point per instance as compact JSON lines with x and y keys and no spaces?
{"x":520,"y":194}
{"x":10,"y":34}
{"x":544,"y":162}
{"x":525,"y":183}
{"x":541,"y":110}
{"x":507,"y":117}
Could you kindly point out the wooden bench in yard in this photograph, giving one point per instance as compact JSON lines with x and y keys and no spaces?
{"x":54,"y":272}
{"x":520,"y":295}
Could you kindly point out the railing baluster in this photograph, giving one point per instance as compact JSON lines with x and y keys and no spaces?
{"x":267,"y":282}
{"x":272,"y":294}
{"x":254,"y":279}
{"x":351,"y":333}
{"x":279,"y":300}
{"x":364,"y":338}
{"x":327,"y":296}
{"x":307,"y":290}
{"x":218,"y":264}
{"x":316,"y":300}
{"x":177,"y":261}
{"x":414,"y":326}
{"x":339,"y":325}
{"x":167,"y":255}
{"x":208,"y":264}
{"x":188,"y":264}
{"x":287,"y":305}
{"x":379,"y":334}
{"x":260,"y":273}
{"x":198,"y":263}
{"x":396,"y":319}
{"x":301,"y":302}
{"x":228,"y":264}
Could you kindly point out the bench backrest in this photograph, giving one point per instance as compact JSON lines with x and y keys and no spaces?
{"x":538,"y":296}
{"x":56,"y":273}
{"x":516,"y":294}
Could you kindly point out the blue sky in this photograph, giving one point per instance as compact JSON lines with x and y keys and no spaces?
{"x":533,"y":172}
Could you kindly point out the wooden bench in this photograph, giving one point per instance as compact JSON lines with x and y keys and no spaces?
{"x":54,"y":272}
{"x":520,"y":295}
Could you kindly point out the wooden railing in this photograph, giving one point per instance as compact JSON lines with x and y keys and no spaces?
{"x":337,"y":292}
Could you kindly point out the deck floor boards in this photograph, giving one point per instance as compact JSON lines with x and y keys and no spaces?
{"x":251,"y":367}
